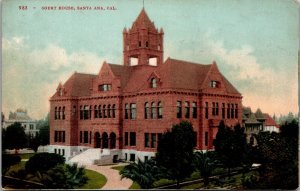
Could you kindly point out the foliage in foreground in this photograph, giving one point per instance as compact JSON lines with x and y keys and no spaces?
{"x":143,"y":173}
{"x":175,"y":151}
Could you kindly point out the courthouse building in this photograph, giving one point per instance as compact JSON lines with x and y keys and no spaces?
{"x":123,"y":110}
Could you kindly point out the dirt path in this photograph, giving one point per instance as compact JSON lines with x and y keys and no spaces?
{"x":113,"y":178}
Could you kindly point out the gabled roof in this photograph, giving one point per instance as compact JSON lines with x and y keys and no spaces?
{"x":143,"y":22}
{"x":269,"y":120}
{"x":78,"y":84}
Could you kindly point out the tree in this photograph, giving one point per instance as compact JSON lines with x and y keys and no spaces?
{"x":15,"y":137}
{"x":44,"y":135}
{"x":278,"y":156}
{"x":175,"y":151}
{"x":42,"y":162}
{"x":143,"y":173}
{"x":205,"y":164}
{"x":230,"y":145}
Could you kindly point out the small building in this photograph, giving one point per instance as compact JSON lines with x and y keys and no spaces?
{"x":21,"y":116}
{"x":270,"y":124}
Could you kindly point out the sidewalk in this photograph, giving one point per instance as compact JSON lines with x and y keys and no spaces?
{"x":113,"y":178}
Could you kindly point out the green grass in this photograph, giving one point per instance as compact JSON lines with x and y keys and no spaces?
{"x":119,"y":168}
{"x":135,"y":186}
{"x":26,"y":155}
{"x":95,"y":180}
{"x":16,"y":167}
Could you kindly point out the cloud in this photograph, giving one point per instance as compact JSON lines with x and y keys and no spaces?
{"x":273,"y":90}
{"x":30,"y":76}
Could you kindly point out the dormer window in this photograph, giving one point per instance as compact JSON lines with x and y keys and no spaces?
{"x":60,"y":92}
{"x":153,"y":83}
{"x":105,"y":87}
{"x":214,"y":84}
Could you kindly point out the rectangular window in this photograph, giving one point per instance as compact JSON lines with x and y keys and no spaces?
{"x":194,"y":110}
{"x":132,"y":139}
{"x":86,"y":112}
{"x":232,"y":111}
{"x":146,"y":158}
{"x":146,"y":139}
{"x":126,"y":138}
{"x":206,"y":110}
{"x":206,"y":138}
{"x":125,"y":156}
{"x":132,"y":157}
{"x":153,"y":140}
{"x":80,"y":136}
{"x":90,"y":137}
{"x":105,"y":87}
{"x":217,"y":108}
{"x":55,"y":151}
{"x":178,"y":106}
{"x":63,"y":152}
{"x":85,"y":137}
{"x":213,"y":109}
{"x":63,"y":136}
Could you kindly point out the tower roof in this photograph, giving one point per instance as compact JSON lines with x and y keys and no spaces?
{"x":143,"y":22}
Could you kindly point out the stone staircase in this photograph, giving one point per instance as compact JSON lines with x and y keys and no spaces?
{"x":89,"y":156}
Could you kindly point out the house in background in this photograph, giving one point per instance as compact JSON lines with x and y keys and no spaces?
{"x":21,"y":116}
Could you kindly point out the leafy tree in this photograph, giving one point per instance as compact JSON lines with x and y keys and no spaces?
{"x":44,"y":135}
{"x":231,"y":145}
{"x":41,"y":162}
{"x":205,"y":164}
{"x":278,"y":156}
{"x":175,"y":151}
{"x":15,"y":137}
{"x":33,"y":142}
{"x":143,"y":173}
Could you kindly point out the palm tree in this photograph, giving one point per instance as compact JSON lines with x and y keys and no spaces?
{"x":205,"y":164}
{"x":143,"y":173}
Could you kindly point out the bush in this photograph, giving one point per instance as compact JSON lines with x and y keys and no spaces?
{"x":42,"y":162}
{"x":8,"y":161}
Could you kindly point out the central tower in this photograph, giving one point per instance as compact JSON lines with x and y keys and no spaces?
{"x":142,"y":43}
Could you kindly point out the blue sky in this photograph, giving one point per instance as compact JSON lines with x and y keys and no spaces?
{"x":254,"y":43}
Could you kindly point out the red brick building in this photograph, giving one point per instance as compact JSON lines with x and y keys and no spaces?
{"x":126,"y":108}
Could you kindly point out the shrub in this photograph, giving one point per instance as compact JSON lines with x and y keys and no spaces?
{"x":43,"y":161}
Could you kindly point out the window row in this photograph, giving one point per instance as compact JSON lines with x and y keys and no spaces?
{"x":59,"y":136}
{"x":85,"y":137}
{"x":151,"y":139}
{"x":232,"y":110}
{"x":104,"y":87}
{"x":59,"y":113}
{"x":57,"y":151}
{"x":104,"y":111}
{"x":153,"y":111}
{"x":130,"y":139}
{"x":130,"y":111}
{"x":189,"y":110}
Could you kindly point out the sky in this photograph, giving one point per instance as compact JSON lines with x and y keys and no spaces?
{"x":255,"y":44}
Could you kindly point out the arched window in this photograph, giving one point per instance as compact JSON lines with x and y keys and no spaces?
{"x":236,"y":111}
{"x":81,"y":112}
{"x":194,"y":110}
{"x":153,"y":83}
{"x":100,"y":111}
{"x":114,"y":111}
{"x":132,"y":111}
{"x":59,"y":112}
{"x":95,"y":111}
{"x":108,"y":111}
{"x":63,"y":113}
{"x":55,"y":113}
{"x":86,"y":112}
{"x":104,"y":111}
{"x":153,"y":110}
{"x":159,"y":106}
{"x":187,"y":109}
{"x":178,"y":107}
{"x":90,"y":112}
{"x":147,"y":111}
{"x":126,"y":110}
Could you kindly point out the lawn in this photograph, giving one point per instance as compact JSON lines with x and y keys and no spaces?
{"x":96,"y":180}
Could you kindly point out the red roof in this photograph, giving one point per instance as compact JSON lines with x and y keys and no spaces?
{"x":143,"y":22}
{"x":173,"y":74}
{"x":269,"y":121}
